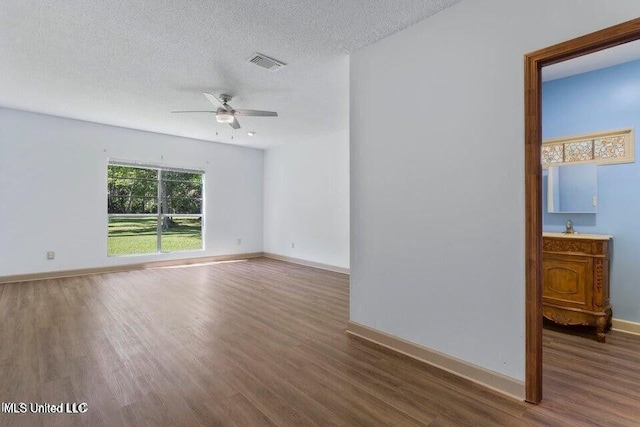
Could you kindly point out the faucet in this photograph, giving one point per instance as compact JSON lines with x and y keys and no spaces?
{"x":569,"y":229}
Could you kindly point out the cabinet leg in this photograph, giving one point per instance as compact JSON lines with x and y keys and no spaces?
{"x":601,"y":325}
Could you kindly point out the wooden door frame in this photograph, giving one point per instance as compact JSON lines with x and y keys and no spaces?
{"x":609,"y":37}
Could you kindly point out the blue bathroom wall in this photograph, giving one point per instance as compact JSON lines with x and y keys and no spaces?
{"x":591,"y":102}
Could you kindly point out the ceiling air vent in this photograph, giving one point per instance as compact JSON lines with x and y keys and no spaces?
{"x":265,"y":62}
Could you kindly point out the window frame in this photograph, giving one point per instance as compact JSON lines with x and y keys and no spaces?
{"x":627,"y":133}
{"x":158,"y":168}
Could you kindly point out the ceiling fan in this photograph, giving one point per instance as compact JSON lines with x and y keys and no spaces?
{"x":226,"y":113}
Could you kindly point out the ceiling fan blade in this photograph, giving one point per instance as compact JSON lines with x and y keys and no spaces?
{"x":256,"y":113}
{"x":235,"y":124}
{"x":214,"y":100}
{"x":193,"y":111}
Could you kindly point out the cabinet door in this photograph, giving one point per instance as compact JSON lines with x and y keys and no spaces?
{"x":567,"y":281}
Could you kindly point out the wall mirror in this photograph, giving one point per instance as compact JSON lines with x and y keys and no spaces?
{"x":573,"y":189}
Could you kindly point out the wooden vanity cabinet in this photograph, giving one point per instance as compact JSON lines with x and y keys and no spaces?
{"x":575,"y":281}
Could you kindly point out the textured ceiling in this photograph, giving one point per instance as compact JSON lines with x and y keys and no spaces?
{"x":594,"y":61}
{"x":130,"y":62}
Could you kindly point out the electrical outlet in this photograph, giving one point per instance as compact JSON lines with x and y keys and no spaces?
{"x":51,"y":255}
{"x":239,"y":241}
{"x":293,"y":245}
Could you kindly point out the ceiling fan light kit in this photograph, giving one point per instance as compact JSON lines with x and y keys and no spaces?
{"x":224,"y":116}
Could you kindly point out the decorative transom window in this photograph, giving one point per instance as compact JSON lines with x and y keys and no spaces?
{"x":602,"y":148}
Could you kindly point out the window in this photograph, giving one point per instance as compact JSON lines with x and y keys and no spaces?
{"x":601,"y":148}
{"x":153,"y":209}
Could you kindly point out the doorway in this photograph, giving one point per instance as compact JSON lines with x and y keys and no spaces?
{"x":607,"y":38}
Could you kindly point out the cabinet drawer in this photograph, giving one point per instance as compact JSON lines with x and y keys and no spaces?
{"x":575,"y":246}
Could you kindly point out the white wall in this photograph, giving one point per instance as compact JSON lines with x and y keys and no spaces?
{"x":306,"y":200}
{"x":53,"y":187}
{"x":437,"y":190}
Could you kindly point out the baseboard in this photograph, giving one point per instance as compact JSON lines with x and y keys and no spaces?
{"x":307,"y":263}
{"x":125,"y":267}
{"x":625,"y":326}
{"x":485,"y":377}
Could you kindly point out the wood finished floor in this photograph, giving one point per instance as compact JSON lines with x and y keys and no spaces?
{"x":263,"y":342}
